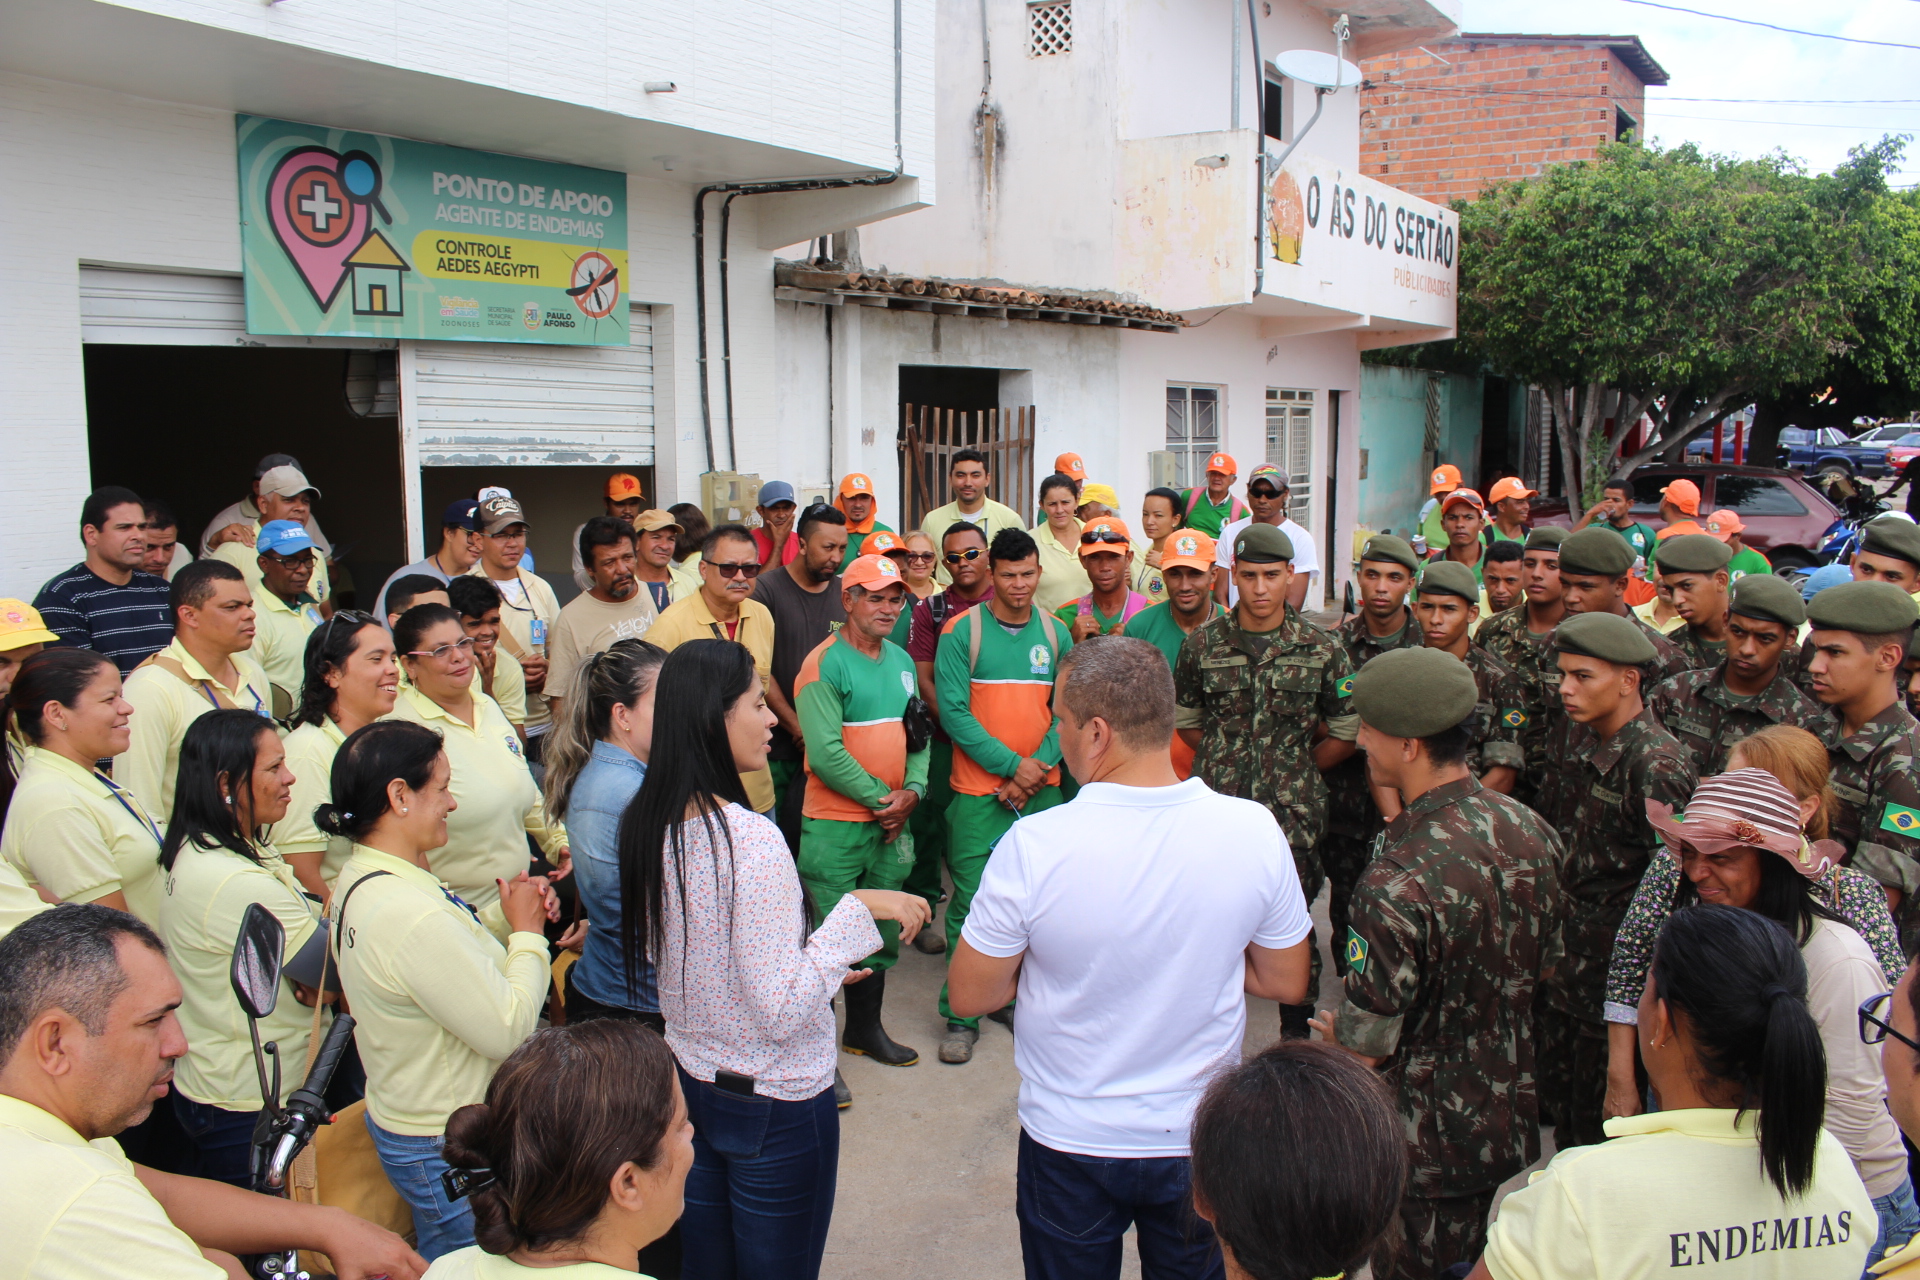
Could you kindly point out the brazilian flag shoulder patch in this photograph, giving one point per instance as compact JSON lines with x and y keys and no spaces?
{"x":1902,"y":819}
{"x":1356,"y":952}
{"x":1345,"y":688}
{"x":1514,"y":718}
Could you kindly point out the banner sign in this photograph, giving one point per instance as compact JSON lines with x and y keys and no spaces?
{"x":348,"y":234}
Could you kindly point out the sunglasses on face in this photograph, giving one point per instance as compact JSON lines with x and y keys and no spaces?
{"x":1874,"y":1029}
{"x":1262,"y":491}
{"x":445,"y":651}
{"x":1094,"y":536}
{"x":971,"y":553}
{"x":748,"y":569}
{"x":920,"y":557}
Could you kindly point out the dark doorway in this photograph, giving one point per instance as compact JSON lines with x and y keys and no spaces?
{"x":186,"y":424}
{"x":949,"y":387}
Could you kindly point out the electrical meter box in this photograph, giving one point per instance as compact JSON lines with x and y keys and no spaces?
{"x":728,"y":497}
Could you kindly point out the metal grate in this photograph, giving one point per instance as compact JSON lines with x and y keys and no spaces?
{"x":1290,"y":445}
{"x":1049,"y":28}
{"x":1193,"y":430}
{"x":929,"y":438}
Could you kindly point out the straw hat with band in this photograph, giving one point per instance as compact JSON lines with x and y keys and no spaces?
{"x":1745,"y":809}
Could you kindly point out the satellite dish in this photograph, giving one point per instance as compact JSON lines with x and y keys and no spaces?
{"x":1321,"y":70}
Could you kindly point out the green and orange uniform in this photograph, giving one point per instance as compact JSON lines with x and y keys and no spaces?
{"x":852,"y":711}
{"x":1158,"y":627}
{"x":996,"y":703}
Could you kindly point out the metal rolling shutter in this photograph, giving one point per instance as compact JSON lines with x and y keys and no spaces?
{"x":159,"y":308}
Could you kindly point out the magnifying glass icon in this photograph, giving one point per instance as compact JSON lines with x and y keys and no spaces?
{"x":360,"y":175}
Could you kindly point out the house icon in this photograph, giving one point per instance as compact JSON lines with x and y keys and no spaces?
{"x":376,"y":268}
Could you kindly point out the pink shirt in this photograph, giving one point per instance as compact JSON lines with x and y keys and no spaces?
{"x":743,"y":986}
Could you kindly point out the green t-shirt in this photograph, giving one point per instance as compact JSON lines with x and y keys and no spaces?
{"x":1494,"y":535}
{"x":1639,"y":536}
{"x":1108,"y":623}
{"x":1747,"y":561}
{"x":855,"y":539}
{"x":1158,"y":627}
{"x":1206,"y":517}
{"x":1476,"y":566}
{"x":903,"y":628}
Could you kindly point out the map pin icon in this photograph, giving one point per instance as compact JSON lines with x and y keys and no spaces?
{"x":316,"y":219}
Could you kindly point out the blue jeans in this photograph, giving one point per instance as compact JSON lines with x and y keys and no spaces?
{"x":760,"y":1194}
{"x":1074,"y":1211}
{"x":414,"y":1166}
{"x":1899,"y":1221}
{"x":222,"y":1140}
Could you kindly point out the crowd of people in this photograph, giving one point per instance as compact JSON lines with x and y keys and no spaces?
{"x":1620,"y":834}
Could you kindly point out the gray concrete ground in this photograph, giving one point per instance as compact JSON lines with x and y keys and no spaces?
{"x":927,"y":1152}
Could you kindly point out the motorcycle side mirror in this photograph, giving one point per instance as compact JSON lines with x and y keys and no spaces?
{"x":257,"y":955}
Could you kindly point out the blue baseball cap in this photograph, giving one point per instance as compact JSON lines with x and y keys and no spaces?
{"x":461,"y":513}
{"x":283,"y":537}
{"x":1827,"y":575}
{"x":776,"y":491}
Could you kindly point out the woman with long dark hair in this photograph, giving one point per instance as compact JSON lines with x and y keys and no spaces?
{"x":440,"y":1001}
{"x":596,"y":758}
{"x":232,"y":786}
{"x":72,"y":831}
{"x":709,"y":891}
{"x":579,"y":1155}
{"x":350,"y":681}
{"x":499,"y":802}
{"x":1735,"y":1164}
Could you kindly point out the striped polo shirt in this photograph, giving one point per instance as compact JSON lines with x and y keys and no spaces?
{"x":126,"y":624}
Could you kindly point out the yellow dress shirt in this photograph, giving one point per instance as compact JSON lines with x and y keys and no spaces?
{"x":691,"y":619}
{"x":74,"y":832}
{"x":440,"y":1002}
{"x":163,"y":707}
{"x":280,"y":642}
{"x":18,"y":901}
{"x":310,"y":751}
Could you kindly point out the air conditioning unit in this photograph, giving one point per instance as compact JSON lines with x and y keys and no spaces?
{"x":1163,"y":469}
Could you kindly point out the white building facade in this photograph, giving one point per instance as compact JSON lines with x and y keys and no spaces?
{"x":1100,"y":168}
{"x":129,"y":359}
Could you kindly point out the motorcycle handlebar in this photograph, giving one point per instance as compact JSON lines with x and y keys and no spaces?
{"x":329,"y":1056}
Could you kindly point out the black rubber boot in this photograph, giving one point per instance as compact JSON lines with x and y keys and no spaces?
{"x":864,"y":1034}
{"x":1293,"y":1022}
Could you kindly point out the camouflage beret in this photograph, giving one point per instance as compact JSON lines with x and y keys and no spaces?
{"x":1869,"y":608}
{"x":1414,"y":693}
{"x":1692,"y":553}
{"x":1262,"y":544}
{"x":1606,"y":636}
{"x":1596,"y":550}
{"x":1893,"y":537}
{"x":1546,"y":537}
{"x":1763,"y":596}
{"x":1449,"y":578}
{"x":1386,"y":547}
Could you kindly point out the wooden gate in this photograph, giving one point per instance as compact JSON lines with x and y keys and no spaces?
{"x":929,"y":438}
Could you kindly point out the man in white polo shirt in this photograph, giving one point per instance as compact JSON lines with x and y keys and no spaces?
{"x":1133,"y":960}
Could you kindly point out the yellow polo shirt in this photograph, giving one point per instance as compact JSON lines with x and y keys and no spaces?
{"x":280,"y":642}
{"x":208,"y":893}
{"x":439,"y":1001}
{"x":163,"y":707}
{"x":244,"y":557}
{"x":691,"y":619}
{"x":76,"y":1210}
{"x":75,"y":833}
{"x":510,"y":688}
{"x":499,"y":802}
{"x":475,"y":1263}
{"x":519,"y":609}
{"x":686,"y":578}
{"x":991,"y":518}
{"x":310,"y":750}
{"x":18,"y":901}
{"x":1681,"y":1189}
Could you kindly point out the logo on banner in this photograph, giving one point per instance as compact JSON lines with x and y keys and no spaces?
{"x":322,"y":205}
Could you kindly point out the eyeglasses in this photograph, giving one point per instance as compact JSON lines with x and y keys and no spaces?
{"x":921,"y":557}
{"x":1262,"y":491}
{"x":288,"y":562}
{"x":748,"y":569}
{"x":1092,"y":536}
{"x":1873,"y":1028}
{"x":971,"y":553}
{"x":440,"y":654}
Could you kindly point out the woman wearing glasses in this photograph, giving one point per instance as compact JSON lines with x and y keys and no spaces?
{"x":921,"y":558}
{"x":350,"y":682}
{"x":1740,"y":845}
{"x":1891,"y":1021}
{"x":499,"y":803}
{"x":1062,"y":580}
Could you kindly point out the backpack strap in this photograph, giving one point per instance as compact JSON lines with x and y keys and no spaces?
{"x":340,"y":913}
{"x":973,"y":645}
{"x":177,"y":669}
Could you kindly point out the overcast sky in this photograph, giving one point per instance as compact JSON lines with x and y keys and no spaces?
{"x":1712,"y":59}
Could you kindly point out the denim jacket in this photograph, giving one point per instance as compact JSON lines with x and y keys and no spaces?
{"x":600,"y":796}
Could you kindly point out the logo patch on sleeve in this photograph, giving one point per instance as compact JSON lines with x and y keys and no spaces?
{"x":1514,"y":719}
{"x":1344,"y":688}
{"x":1902,"y":819}
{"x":1356,"y":952}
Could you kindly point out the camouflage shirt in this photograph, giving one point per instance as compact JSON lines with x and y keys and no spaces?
{"x":1669,"y":659}
{"x":1453,"y":923}
{"x":1699,"y":651}
{"x":1351,"y":810}
{"x":1255,"y":697}
{"x":1878,"y":817}
{"x":1501,"y":715}
{"x":1708,"y":718}
{"x":1606,"y":786}
{"x":1531,"y":657}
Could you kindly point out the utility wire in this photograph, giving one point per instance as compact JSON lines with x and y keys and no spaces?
{"x":1751,"y":22}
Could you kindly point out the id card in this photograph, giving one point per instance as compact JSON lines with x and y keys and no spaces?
{"x":538,"y":629}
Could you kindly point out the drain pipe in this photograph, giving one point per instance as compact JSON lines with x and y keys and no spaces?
{"x":1259,"y":170}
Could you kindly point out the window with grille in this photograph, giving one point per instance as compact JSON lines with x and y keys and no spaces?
{"x":1049,"y":28}
{"x":1193,"y":431}
{"x":1290,"y":446}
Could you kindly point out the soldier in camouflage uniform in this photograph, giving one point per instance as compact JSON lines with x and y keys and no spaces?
{"x":1445,"y":610}
{"x":1387,"y":571}
{"x":1889,"y":552}
{"x":1522,"y":637}
{"x":1710,"y":710}
{"x":1250,"y":689}
{"x":1618,"y":758}
{"x":1453,"y":924}
{"x":1693,"y":570}
{"x":1861,"y":633}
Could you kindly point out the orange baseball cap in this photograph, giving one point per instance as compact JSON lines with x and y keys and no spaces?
{"x":873,"y":573}
{"x":1223,"y":463}
{"x":1107,"y":535}
{"x":1684,"y":494}
{"x":1445,"y":479}
{"x":882,"y":542}
{"x":21,"y":625}
{"x":1467,"y":496}
{"x":1723,"y":524}
{"x":1070,"y":465}
{"x":1189,"y":548}
{"x":1509,"y":487}
{"x":621,"y":486}
{"x":854,"y":483}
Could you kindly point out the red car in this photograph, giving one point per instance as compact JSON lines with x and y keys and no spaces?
{"x":1786,"y":518}
{"x":1903,"y":451}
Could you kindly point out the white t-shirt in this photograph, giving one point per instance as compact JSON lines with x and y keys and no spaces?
{"x":1134,"y":906}
{"x":1306,"y":556}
